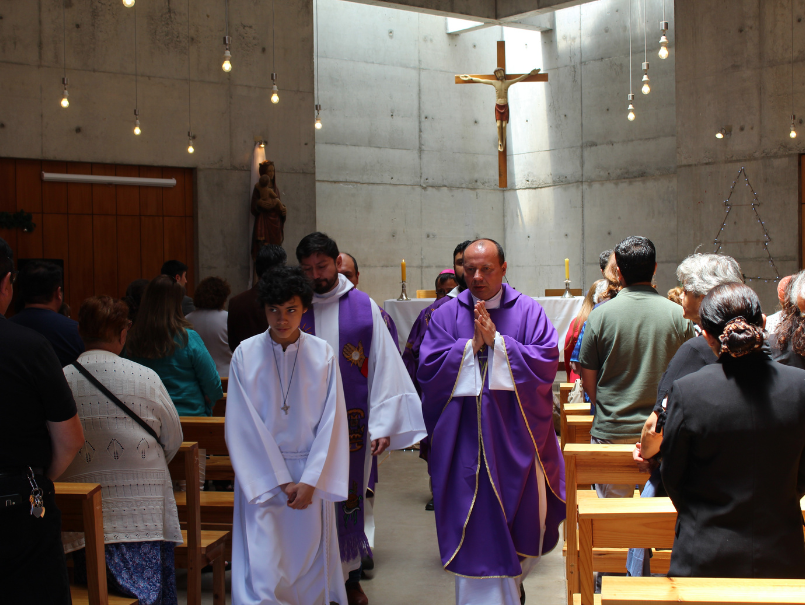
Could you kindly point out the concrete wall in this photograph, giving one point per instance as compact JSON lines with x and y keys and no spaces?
{"x":734,"y":68}
{"x":406,"y":163}
{"x":228,"y":110}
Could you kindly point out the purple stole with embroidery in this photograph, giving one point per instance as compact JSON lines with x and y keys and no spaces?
{"x":354,"y":343}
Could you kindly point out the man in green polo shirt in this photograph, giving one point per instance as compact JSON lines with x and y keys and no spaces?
{"x":628,"y":343}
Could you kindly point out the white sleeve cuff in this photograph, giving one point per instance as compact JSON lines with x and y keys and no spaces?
{"x":500,"y":376}
{"x":469,"y":382}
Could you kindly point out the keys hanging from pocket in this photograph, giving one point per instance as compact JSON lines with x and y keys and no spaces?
{"x":37,"y":505}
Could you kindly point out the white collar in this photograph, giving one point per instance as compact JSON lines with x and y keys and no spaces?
{"x":454,"y":292}
{"x":291,"y":347}
{"x":492,"y":303}
{"x":344,"y":286}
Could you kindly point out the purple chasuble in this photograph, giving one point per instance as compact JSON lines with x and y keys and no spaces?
{"x":373,"y":476}
{"x":355,"y":329}
{"x":485,"y":487}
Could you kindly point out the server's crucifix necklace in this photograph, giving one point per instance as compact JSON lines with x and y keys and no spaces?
{"x":285,"y":407}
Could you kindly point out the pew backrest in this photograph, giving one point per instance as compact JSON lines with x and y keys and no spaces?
{"x":701,"y":591}
{"x":208,"y":432}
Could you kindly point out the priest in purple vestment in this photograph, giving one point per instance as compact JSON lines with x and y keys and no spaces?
{"x":486,"y":369}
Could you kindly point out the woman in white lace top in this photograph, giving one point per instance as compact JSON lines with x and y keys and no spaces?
{"x":141,"y":523}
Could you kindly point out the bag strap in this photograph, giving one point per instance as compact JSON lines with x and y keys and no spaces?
{"x":97,"y":383}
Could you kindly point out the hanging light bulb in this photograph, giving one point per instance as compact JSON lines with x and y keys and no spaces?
{"x":793,"y":133}
{"x":663,"y":54}
{"x":128,"y":3}
{"x":65,"y":102}
{"x":275,"y":96}
{"x":190,"y":137}
{"x":646,"y":82}
{"x":631,"y":114}
{"x":137,"y":122}
{"x":262,"y":144}
{"x":227,"y":64}
{"x":318,"y":119}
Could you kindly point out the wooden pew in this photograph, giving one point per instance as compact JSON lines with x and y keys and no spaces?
{"x":199,"y":548}
{"x":701,"y":591}
{"x":224,"y":382}
{"x":564,"y":392}
{"x":586,"y":464}
{"x":575,"y":428}
{"x":81,"y":510}
{"x":210,"y":436}
{"x":219,"y":409}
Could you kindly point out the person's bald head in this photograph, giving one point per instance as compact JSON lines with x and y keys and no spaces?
{"x":349,"y":268}
{"x":484,"y":268}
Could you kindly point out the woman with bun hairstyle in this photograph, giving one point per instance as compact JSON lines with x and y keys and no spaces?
{"x":733,"y":453}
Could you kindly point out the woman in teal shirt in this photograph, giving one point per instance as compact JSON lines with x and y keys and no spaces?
{"x":161,"y":339}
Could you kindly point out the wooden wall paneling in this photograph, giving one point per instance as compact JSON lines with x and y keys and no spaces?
{"x":151,"y":197}
{"x":104,"y":242}
{"x":29,"y":185}
{"x":54,"y":195}
{"x":190,"y":232}
{"x":128,"y":197}
{"x":189,"y":205}
{"x":82,"y":267}
{"x":129,"y":261}
{"x":175,"y":239}
{"x":151,"y":245}
{"x":56,"y":243}
{"x":29,"y":245}
{"x":79,"y":195}
{"x":8,"y":198}
{"x":173,"y":198}
{"x":103,"y":196}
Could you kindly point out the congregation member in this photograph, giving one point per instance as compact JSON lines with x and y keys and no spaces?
{"x":41,"y":287}
{"x":383,"y":409}
{"x":445,"y":283}
{"x":574,"y":330}
{"x":287,"y":434}
{"x":733,"y":452}
{"x":210,"y":320}
{"x":773,"y":320}
{"x":164,"y":341}
{"x":627,"y":345}
{"x":246,"y":317}
{"x":787,"y":343}
{"x":487,"y":364}
{"x":133,"y":297}
{"x":43,"y":434}
{"x":675,"y":295}
{"x":130,"y":462}
{"x":177,"y":270}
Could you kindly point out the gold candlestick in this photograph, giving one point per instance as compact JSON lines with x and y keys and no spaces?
{"x":404,"y":293}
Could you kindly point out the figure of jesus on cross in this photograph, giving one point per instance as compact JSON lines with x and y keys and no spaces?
{"x":502,"y":82}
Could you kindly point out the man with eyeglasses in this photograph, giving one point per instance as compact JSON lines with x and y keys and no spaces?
{"x":42,"y":436}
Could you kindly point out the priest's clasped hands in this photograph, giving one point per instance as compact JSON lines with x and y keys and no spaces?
{"x":484,"y":328}
{"x":300,"y":495}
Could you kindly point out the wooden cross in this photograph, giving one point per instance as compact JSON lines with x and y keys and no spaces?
{"x":503,"y":175}
{"x":285,"y":408}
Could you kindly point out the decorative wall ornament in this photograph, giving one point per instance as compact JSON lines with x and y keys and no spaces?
{"x":17,"y":220}
{"x":718,"y":242}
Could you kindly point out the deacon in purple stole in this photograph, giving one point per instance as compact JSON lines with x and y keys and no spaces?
{"x":487,"y":366}
{"x":383,"y":409}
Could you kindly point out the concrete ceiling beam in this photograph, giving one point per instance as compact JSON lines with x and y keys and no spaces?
{"x":488,"y":11}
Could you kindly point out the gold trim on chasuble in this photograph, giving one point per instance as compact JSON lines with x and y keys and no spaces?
{"x":531,"y":434}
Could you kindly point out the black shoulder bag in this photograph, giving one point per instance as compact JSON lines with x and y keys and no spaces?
{"x":86,"y":374}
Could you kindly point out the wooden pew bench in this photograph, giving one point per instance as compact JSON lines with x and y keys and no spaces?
{"x":701,"y":591}
{"x":81,"y":510}
{"x":210,"y":436}
{"x":564,"y":392}
{"x":575,"y":428}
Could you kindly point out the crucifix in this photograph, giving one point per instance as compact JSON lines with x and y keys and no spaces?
{"x":502,"y":82}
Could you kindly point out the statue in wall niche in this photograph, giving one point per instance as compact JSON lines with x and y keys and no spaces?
{"x":268,"y":210}
{"x":502,"y":86}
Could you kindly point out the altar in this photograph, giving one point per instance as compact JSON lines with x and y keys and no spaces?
{"x":560,"y":311}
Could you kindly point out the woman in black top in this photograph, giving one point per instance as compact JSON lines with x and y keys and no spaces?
{"x":733,"y":452}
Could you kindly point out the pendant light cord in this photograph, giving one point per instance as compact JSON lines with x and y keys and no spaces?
{"x":64,"y":36}
{"x":630,"y":47}
{"x":226,"y":17}
{"x":136,"y":90}
{"x":645,"y":32}
{"x":317,"y":51}
{"x":189,"y":115}
{"x":273,"y":38}
{"x":792,"y":62}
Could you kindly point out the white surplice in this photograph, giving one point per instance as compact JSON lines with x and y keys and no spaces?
{"x":281,"y":555}
{"x":395,"y":410}
{"x":503,"y":591}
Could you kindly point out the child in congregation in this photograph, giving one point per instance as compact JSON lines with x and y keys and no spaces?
{"x":286,"y":430}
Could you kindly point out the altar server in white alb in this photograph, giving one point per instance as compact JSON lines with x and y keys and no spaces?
{"x":383,"y":408}
{"x":286,"y":430}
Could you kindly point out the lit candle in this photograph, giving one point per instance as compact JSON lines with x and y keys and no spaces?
{"x":567,"y":268}
{"x":402,"y":267}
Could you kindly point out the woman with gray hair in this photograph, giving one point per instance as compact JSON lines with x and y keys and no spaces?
{"x":698,"y":274}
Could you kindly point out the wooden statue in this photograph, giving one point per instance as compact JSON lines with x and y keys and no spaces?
{"x":269,"y":212}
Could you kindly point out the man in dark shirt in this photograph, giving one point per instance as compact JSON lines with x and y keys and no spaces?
{"x":178,"y":271}
{"x":246,"y":317}
{"x":42,"y":294}
{"x":42,"y":436}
